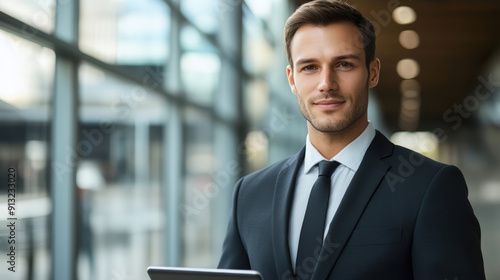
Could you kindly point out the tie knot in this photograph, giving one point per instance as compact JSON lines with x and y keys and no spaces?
{"x":326,"y":167}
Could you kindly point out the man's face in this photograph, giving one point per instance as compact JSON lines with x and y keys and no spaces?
{"x":330,"y":77}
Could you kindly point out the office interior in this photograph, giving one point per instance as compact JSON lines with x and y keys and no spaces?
{"x":127,"y":122}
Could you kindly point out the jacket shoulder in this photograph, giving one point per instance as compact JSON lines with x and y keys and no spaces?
{"x":272,"y":170}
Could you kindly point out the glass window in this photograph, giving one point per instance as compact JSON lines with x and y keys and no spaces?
{"x":261,"y":8}
{"x":118,"y":176}
{"x":200,"y":66}
{"x":39,"y":14}
{"x":258,"y":53}
{"x":204,"y":14}
{"x":256,"y":100}
{"x":26,"y":84}
{"x":129,"y":32}
{"x":197,"y":190}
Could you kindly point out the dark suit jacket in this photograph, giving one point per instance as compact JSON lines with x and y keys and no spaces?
{"x":403,"y":216}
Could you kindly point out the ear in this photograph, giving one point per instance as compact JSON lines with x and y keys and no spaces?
{"x":374,"y":73}
{"x":291,"y":81}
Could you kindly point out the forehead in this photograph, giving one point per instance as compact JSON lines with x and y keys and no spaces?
{"x":332,"y":40}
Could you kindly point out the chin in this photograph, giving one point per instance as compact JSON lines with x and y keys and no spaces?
{"x":330,"y":126}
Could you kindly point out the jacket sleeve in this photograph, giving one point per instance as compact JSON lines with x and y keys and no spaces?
{"x":447,"y":238}
{"x":234,"y":255}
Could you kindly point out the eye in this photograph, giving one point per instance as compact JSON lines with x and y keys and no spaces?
{"x":345,"y":65}
{"x":309,"y":68}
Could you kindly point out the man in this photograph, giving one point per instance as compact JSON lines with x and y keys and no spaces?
{"x":389,"y":212}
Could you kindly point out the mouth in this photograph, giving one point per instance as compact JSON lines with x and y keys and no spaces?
{"x":328,"y":104}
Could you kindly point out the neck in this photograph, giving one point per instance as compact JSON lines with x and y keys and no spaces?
{"x":330,"y":144}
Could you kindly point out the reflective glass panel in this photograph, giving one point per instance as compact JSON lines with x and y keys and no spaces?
{"x":130,"y":32}
{"x":204,"y":14}
{"x":37,"y":13}
{"x":26,"y":84}
{"x":118,"y":177}
{"x":261,"y":8}
{"x":200,"y":66}
{"x":198,"y":189}
{"x":258,"y":53}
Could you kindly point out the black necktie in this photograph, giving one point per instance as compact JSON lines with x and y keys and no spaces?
{"x":313,"y":227}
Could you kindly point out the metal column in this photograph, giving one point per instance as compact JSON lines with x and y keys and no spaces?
{"x":64,"y":150}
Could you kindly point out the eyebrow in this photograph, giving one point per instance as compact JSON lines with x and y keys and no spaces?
{"x":347,"y":56}
{"x":337,"y":58}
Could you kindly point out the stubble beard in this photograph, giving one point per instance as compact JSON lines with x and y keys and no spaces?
{"x":331,"y":123}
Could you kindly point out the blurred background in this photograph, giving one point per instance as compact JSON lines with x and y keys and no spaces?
{"x":129,"y":121}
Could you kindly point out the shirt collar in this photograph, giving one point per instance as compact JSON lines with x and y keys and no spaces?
{"x":351,"y":156}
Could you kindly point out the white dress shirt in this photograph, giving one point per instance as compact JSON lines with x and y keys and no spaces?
{"x":349,"y":158}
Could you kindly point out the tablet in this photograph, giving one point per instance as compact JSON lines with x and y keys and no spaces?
{"x":181,"y":273}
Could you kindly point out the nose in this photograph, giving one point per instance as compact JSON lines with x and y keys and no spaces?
{"x":328,"y":80}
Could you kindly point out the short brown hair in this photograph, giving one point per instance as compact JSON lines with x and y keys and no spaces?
{"x":325,"y":12}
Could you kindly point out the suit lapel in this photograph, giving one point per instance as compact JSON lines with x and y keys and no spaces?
{"x":282,"y":201}
{"x":364,"y":183}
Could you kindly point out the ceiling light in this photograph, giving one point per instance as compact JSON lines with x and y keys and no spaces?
{"x":404,"y":15}
{"x":410,"y":93}
{"x":409,"y":85}
{"x":410,"y":89}
{"x":409,"y":39}
{"x":409,"y":116}
{"x":410,"y":104}
{"x":423,"y":142}
{"x":408,"y":68}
